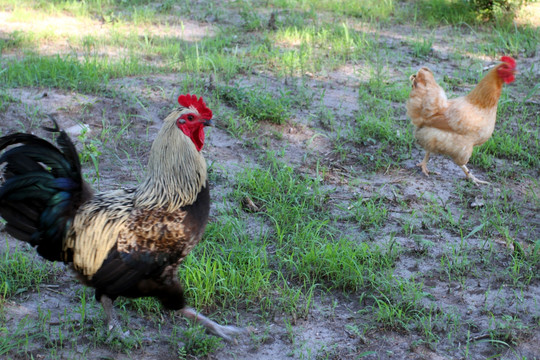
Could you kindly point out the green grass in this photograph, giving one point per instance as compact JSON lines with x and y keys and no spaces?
{"x":513,"y":40}
{"x":5,"y":100}
{"x":515,"y":138}
{"x":312,"y":48}
{"x":14,"y":40}
{"x":363,"y":9}
{"x":230,"y":266}
{"x":422,"y":48}
{"x":227,"y":268}
{"x":21,"y":272}
{"x":435,"y":12}
{"x":370,"y":214}
{"x":138,"y":11}
{"x":67,"y":72}
{"x":193,"y":342}
{"x":256,"y":103}
{"x":16,"y":341}
{"x":307,"y":250}
{"x":384,"y":140}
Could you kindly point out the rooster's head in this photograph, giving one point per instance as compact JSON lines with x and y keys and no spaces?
{"x":193,"y":116}
{"x":176,"y":168}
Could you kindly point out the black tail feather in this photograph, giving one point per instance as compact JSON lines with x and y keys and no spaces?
{"x":17,"y":220}
{"x":67,"y":147}
{"x":42,"y":189}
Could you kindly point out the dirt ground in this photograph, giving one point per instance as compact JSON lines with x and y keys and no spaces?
{"x":304,"y":143}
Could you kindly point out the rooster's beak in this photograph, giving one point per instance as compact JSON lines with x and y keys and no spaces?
{"x":208,"y":122}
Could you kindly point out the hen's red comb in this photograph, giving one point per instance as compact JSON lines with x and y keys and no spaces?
{"x":509,"y":60}
{"x":191,"y":100}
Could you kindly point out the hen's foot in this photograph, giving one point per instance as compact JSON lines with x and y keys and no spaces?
{"x":477,"y":181}
{"x":423,"y":166}
{"x":228,"y":332}
{"x":472,"y":178}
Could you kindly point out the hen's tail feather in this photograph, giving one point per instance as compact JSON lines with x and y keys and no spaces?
{"x":42,"y":191}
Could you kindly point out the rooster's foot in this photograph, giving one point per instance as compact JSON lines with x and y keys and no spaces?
{"x":228,"y":332}
{"x":116,"y":333}
{"x":113,"y":323}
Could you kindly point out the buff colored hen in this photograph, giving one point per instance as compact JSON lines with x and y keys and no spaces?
{"x":453,"y":127}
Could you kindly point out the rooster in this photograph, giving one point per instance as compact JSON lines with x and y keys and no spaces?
{"x":453,"y":127}
{"x":126,"y":242}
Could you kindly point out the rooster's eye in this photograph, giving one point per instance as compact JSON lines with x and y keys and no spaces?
{"x":190,"y":117}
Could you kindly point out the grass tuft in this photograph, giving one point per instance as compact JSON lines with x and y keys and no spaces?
{"x":256,"y":103}
{"x":68,"y":72}
{"x":20,"y":272}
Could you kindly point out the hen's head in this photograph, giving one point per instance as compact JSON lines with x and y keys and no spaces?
{"x":193,"y":116}
{"x":422,"y":77}
{"x":507,"y":70}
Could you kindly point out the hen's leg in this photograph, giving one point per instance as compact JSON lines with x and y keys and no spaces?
{"x":423,"y":164}
{"x":471,"y":177}
{"x":113,"y":324}
{"x":225,"y":332}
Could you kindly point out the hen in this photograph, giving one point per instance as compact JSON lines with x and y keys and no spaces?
{"x":453,"y":127}
{"x":125,"y":242}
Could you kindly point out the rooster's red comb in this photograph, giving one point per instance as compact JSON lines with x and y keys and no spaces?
{"x":191,"y":100}
{"x":509,"y":60}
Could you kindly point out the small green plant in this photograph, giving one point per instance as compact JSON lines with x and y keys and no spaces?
{"x":489,"y":9}
{"x":5,"y":100}
{"x":193,"y":342}
{"x":90,"y":152}
{"x":252,"y":21}
{"x":256,"y":103}
{"x":422,"y":48}
{"x":370,"y":214}
{"x":68,"y":72}
{"x":18,"y":340}
{"x":14,"y":40}
{"x":20,"y":272}
{"x":363,"y":9}
{"x":507,"y":330}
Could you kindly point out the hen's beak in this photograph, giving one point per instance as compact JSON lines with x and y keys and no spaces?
{"x":208,"y":122}
{"x":412,"y":79}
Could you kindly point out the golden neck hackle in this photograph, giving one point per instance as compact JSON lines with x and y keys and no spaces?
{"x":176,"y":170}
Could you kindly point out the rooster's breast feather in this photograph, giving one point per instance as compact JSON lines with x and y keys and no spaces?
{"x":116,"y":245}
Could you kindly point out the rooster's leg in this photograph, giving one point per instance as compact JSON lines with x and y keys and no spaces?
{"x":113,"y":324}
{"x":471,"y":177}
{"x":225,"y":332}
{"x":423,"y":164}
